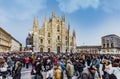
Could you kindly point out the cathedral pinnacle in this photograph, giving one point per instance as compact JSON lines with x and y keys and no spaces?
{"x":35,"y":23}
{"x":53,"y":14}
{"x":63,"y":18}
{"x":68,"y":26}
{"x":74,"y":34}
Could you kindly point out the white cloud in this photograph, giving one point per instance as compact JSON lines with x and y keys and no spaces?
{"x":22,"y":9}
{"x":70,"y":6}
{"x":111,"y":6}
{"x":16,"y":16}
{"x":29,"y":8}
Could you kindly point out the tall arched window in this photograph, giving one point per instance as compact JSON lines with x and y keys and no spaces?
{"x":48,"y":49}
{"x":112,"y":45}
{"x":66,"y":38}
{"x":58,"y":37}
{"x":48,"y":34}
{"x":103,"y":45}
{"x":107,"y":45}
{"x":48,"y":41}
{"x":41,"y":49}
{"x":58,"y":49}
{"x":41,"y":40}
{"x":58,"y":28}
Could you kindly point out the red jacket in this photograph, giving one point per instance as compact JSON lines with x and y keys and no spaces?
{"x":27,"y":60}
{"x":55,"y":60}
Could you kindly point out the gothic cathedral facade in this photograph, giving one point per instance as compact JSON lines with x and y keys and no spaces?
{"x":53,"y":36}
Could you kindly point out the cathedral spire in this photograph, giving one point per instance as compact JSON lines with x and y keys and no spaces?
{"x":68,"y":26}
{"x":35,"y":24}
{"x":63,"y":18}
{"x":74,"y":34}
{"x":53,"y":14}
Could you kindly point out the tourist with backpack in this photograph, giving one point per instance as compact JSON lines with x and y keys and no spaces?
{"x":69,"y":69}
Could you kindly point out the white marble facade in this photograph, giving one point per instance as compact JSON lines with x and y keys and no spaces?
{"x":53,"y":36}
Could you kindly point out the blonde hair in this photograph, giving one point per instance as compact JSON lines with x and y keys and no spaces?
{"x":16,"y":65}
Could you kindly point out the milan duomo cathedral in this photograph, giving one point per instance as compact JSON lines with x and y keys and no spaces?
{"x":53,"y":36}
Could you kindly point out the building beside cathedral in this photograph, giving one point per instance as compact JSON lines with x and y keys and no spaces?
{"x":53,"y":36}
{"x":110,"y":44}
{"x":5,"y":40}
{"x":8,"y":42}
{"x":89,"y":49}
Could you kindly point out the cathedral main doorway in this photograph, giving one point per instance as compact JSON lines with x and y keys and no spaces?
{"x":58,"y":49}
{"x":41,"y":49}
{"x":48,"y":49}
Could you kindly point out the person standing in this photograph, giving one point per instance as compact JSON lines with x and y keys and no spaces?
{"x":27,"y":60}
{"x":17,"y":70}
{"x":115,"y":70}
{"x":69,"y":69}
{"x":88,"y":59}
{"x":80,"y":67}
{"x":49,"y":72}
{"x":96,"y":62}
{"x":10,"y":65}
{"x":3,"y":68}
{"x":62,"y":65}
{"x":55,"y":60}
{"x":108,"y":69}
{"x":57,"y":72}
{"x":38,"y":68}
{"x":90,"y":73}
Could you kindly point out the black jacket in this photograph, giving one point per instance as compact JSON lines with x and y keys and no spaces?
{"x":17,"y":72}
{"x":38,"y":69}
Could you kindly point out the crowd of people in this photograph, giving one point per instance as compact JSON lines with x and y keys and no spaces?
{"x":57,"y":66}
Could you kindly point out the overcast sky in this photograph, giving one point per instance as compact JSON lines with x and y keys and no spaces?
{"x":91,"y":19}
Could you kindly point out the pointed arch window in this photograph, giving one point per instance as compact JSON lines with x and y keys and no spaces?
{"x":48,"y":41}
{"x":58,"y":28}
{"x":112,"y":45}
{"x":58,"y":37}
{"x":41,"y":40}
{"x":66,"y":38}
{"x":48,"y":34}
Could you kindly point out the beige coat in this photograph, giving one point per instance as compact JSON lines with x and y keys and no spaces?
{"x":57,"y":73}
{"x":70,"y":69}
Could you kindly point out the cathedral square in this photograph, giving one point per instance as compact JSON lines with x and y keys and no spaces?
{"x":59,"y":39}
